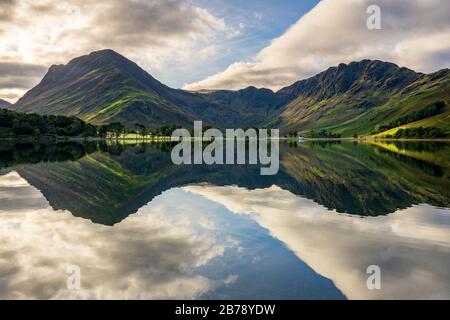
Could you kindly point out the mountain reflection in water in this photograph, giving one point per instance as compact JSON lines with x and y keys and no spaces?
{"x":200,"y":232}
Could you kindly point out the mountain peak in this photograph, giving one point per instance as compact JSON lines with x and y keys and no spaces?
{"x":107,"y":54}
{"x":87,"y":63}
{"x":353,"y":78}
{"x":102,"y":57}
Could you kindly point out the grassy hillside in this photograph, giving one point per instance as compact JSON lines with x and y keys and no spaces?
{"x":100,"y":88}
{"x":367,"y":103}
{"x":412,"y":98}
{"x":441,"y":121}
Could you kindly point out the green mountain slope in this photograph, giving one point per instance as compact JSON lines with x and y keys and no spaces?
{"x":358,"y":97}
{"x":103,"y":87}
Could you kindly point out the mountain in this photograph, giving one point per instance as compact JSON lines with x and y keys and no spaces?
{"x":105,"y":87}
{"x":248,"y":107}
{"x":357,"y":98}
{"x":4,"y":104}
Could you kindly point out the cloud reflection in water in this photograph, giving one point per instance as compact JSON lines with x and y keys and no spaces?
{"x":411,"y":246}
{"x":149,"y":255}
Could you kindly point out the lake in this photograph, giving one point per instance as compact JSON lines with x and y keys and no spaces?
{"x":132,"y":225}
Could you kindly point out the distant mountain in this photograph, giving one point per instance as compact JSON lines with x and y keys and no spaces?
{"x":247,"y":107}
{"x":4,"y":104}
{"x":105,"y":87}
{"x":358,"y":97}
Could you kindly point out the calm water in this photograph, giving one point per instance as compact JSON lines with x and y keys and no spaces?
{"x":140,"y":227}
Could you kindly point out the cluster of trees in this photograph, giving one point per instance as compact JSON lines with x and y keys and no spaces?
{"x":34,"y":124}
{"x":117,"y":129}
{"x":426,"y":112}
{"x":324,"y":134}
{"x":27,"y":124}
{"x":164,"y":130}
{"x":418,"y":133}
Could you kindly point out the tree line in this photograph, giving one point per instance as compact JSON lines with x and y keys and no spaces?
{"x":117,"y":129}
{"x":418,"y":133}
{"x":426,"y":112}
{"x":32,"y":124}
{"x":324,"y":134}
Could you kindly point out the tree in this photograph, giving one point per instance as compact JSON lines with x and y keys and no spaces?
{"x":103,"y":131}
{"x":142,"y":129}
{"x":117,"y":128}
{"x":21,"y":126}
{"x":90,"y":130}
{"x":6,"y":119}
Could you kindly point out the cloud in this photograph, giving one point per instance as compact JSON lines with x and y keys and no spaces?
{"x":237,"y":32}
{"x":16,"y":77}
{"x":413,"y":34}
{"x":150,"y":255}
{"x":153,"y":33}
{"x":154,"y":22}
{"x":19,"y":75}
{"x":11,"y":95}
{"x":6,"y":9}
{"x":208,"y":51}
{"x":411,"y":246}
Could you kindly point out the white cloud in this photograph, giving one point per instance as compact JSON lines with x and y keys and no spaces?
{"x":411,"y":246}
{"x":209,"y":51}
{"x":150,"y":255}
{"x":234,"y":34}
{"x":414,"y":34}
{"x":153,"y":33}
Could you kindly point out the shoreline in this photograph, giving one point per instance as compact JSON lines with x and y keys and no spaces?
{"x":30,"y":139}
{"x":370,"y":139}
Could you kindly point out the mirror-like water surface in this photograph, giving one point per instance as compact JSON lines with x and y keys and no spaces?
{"x":139,"y":227}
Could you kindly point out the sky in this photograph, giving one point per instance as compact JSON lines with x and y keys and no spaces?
{"x":218,"y":44}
